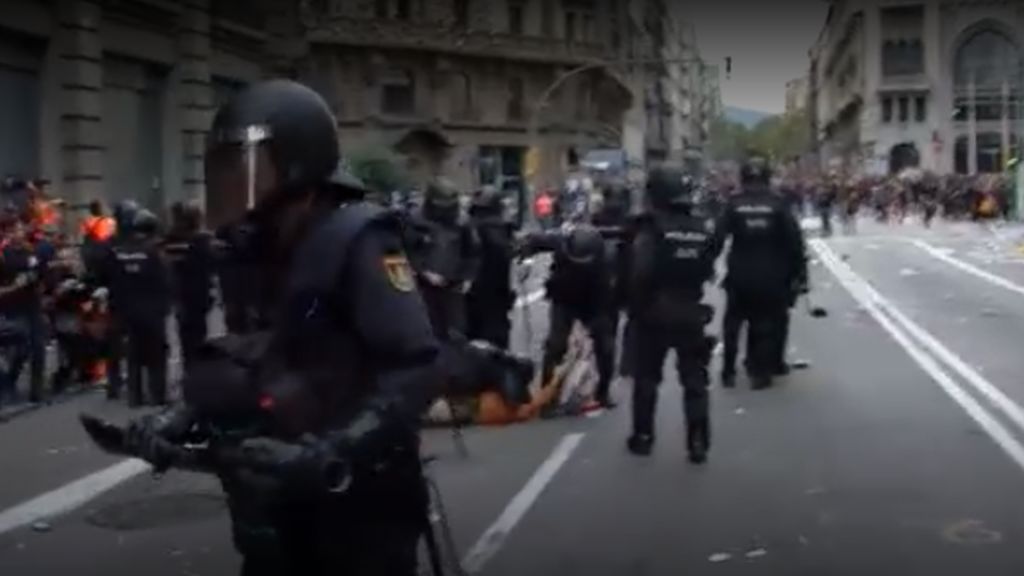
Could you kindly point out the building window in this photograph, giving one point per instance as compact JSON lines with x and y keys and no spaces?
{"x":887,"y":109}
{"x":920,"y":109}
{"x":403,"y":9}
{"x":398,"y":93}
{"x":904,"y":104}
{"x":570,"y":26}
{"x":461,"y":96}
{"x":515,"y":98}
{"x":515,"y":18}
{"x":588,"y":32}
{"x":547,"y":19}
{"x":461,"y":9}
{"x":902,"y":57}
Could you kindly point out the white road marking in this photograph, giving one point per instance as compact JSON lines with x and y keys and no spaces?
{"x":70,"y":496}
{"x":493,"y":538}
{"x":969,"y":268}
{"x":878,"y":307}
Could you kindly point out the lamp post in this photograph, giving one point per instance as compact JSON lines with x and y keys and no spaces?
{"x":533,"y":127}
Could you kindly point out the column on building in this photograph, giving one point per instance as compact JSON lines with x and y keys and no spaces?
{"x":80,"y":55}
{"x":196,"y":94}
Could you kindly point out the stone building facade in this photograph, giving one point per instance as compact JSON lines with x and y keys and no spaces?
{"x":933,"y":84}
{"x":455,"y":85}
{"x":112,"y":99}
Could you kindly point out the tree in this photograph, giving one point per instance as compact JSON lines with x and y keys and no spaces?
{"x":382,"y":170}
{"x":727,"y":140}
{"x":782,"y":137}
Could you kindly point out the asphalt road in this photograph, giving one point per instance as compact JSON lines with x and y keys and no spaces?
{"x":898,"y":451}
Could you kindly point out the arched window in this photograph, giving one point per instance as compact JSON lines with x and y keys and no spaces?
{"x":988,"y":57}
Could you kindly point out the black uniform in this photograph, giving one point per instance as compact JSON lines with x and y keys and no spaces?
{"x":237,"y":272}
{"x":191,"y":255}
{"x":671,"y":261}
{"x":336,"y":486}
{"x":580,"y":289}
{"x":766,"y":264}
{"x":445,"y":254}
{"x":141,"y":300}
{"x":117,"y":334}
{"x":615,"y":216}
{"x":490,"y":299}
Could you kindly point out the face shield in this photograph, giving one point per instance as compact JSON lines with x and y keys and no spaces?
{"x":240,"y":173}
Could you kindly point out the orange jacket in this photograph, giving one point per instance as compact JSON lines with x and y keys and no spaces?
{"x":98,"y":228}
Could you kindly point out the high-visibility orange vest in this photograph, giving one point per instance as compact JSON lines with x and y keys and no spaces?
{"x":98,"y":228}
{"x":544,"y":205}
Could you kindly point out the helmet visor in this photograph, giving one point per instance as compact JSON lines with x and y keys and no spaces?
{"x":240,"y":173}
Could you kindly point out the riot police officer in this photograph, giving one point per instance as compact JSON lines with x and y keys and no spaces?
{"x":671,"y":261}
{"x":445,"y":254}
{"x":490,"y":298}
{"x":766,"y":264}
{"x":116,"y":341}
{"x":190,"y":251}
{"x":339,"y":491}
{"x":141,"y":288}
{"x":613,"y":216}
{"x":580,"y":290}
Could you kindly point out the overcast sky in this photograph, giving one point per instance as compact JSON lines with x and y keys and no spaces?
{"x":768,"y":41}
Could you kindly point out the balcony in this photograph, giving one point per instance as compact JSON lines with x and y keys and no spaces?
{"x":435,"y":38}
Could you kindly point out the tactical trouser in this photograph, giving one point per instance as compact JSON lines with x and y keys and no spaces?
{"x":37,"y":336}
{"x":488,"y":320}
{"x":116,"y":347}
{"x":767,"y":322}
{"x":693,"y":355}
{"x":780,"y":341}
{"x":192,"y":332}
{"x":602,"y":332}
{"x":447,"y":310}
{"x":147,"y":360}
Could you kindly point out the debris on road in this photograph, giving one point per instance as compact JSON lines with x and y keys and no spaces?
{"x":41,"y":526}
{"x":719,"y":557}
{"x":756,"y":553}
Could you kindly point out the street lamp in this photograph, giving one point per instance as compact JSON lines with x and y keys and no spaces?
{"x":542,"y":101}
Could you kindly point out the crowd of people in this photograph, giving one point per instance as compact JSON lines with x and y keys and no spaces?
{"x":101,"y":294}
{"x":891,"y":199}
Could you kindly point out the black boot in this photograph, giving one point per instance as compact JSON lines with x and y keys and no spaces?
{"x":728,"y":379}
{"x":761,"y":382}
{"x":640,"y":444}
{"x":698,"y":441}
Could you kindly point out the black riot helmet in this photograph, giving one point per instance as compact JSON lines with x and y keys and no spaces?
{"x":268,"y":142}
{"x":488,"y":202}
{"x":670,"y":190}
{"x":441,"y":202}
{"x":755,"y":172}
{"x":124,"y":215}
{"x":584,"y":244}
{"x":145,"y":223}
{"x":618,"y":199}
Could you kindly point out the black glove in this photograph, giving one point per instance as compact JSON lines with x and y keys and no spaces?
{"x":154,"y":437}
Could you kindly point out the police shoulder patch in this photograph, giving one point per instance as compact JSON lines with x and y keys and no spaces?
{"x":399,"y":273}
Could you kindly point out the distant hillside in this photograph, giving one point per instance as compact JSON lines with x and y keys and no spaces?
{"x":748,"y":118}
